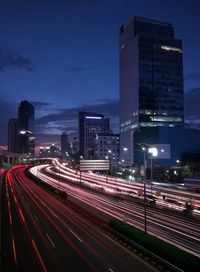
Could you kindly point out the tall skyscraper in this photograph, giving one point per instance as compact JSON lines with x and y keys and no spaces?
{"x":151,"y":80}
{"x":65,"y":146}
{"x":90,"y":124}
{"x":13,"y":135}
{"x":26,"y":116}
{"x":26,"y":128}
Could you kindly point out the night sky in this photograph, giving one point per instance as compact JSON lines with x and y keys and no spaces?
{"x":62,"y":56}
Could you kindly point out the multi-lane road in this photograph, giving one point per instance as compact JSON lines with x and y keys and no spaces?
{"x":180,"y":231}
{"x":42,"y":233}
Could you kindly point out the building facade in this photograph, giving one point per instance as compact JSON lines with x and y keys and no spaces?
{"x":107,"y":147}
{"x":90,"y":124}
{"x":75,"y":145}
{"x":13,"y":135}
{"x":151,"y":80}
{"x":171,"y":144}
{"x":65,"y":146}
{"x":44,"y":152}
{"x":26,"y":128}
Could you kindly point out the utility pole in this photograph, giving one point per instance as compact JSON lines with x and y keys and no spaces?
{"x":80,"y":176}
{"x":145,"y":196}
{"x":145,"y":207}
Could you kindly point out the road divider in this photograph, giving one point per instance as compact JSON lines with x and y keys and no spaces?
{"x":166,"y":255}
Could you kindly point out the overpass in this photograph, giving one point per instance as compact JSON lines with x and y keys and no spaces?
{"x":8,"y":159}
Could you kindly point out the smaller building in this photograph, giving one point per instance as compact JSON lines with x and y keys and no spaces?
{"x":65,"y":146}
{"x":44,"y":152}
{"x":54,"y":151}
{"x":171,"y":144}
{"x":75,"y":145}
{"x":107,"y":147}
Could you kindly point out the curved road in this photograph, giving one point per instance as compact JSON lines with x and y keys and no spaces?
{"x":41,"y":233}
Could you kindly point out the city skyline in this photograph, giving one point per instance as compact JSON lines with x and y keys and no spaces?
{"x":59,"y":79}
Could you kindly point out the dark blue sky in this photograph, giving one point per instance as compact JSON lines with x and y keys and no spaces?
{"x":62,"y":55}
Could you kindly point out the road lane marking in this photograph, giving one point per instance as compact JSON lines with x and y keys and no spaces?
{"x":131,"y":253}
{"x":38,"y":254}
{"x":111,"y":270}
{"x":15,"y":199}
{"x":20,"y":211}
{"x":75,"y":235}
{"x":42,"y":202}
{"x":35,"y":217}
{"x":50,"y":240}
{"x":14,"y":250}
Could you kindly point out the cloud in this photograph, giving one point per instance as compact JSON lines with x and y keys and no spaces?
{"x":66,"y":119}
{"x":78,"y":69}
{"x":12,"y":60}
{"x":192,"y":77}
{"x":40,"y":105}
{"x":47,"y":139}
{"x":192,"y":107}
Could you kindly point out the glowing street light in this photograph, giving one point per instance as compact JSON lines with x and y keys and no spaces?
{"x":153,"y":151}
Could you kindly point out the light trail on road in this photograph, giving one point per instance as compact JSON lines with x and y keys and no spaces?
{"x":55,"y":236}
{"x":174,"y":229}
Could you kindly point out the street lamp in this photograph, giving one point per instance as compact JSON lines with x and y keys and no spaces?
{"x":145,"y":197}
{"x":154,"y":153}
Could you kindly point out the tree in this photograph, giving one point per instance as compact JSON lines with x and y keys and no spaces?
{"x":186,"y":171}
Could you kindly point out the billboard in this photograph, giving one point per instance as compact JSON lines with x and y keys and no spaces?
{"x":90,"y":165}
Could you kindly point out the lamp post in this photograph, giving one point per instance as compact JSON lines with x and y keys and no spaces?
{"x":81,"y":158}
{"x":110,"y":161}
{"x":154,"y":153}
{"x":145,"y":196}
{"x":107,"y":170}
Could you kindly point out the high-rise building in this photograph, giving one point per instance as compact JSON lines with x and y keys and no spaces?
{"x":26,"y":116}
{"x":65,"y":146}
{"x":151,"y":80}
{"x":26,"y":128}
{"x":90,"y":124}
{"x":13,"y":135}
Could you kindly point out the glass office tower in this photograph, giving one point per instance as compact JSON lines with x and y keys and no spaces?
{"x":151,"y":80}
{"x":90,"y":124}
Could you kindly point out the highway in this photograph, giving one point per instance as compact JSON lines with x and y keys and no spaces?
{"x":126,"y":187}
{"x":42,"y":233}
{"x":180,"y":231}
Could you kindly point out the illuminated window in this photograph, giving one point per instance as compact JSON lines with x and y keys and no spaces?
{"x":169,"y":48}
{"x":166,"y":119}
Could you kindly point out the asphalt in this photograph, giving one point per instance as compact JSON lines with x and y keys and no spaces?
{"x":51,"y":236}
